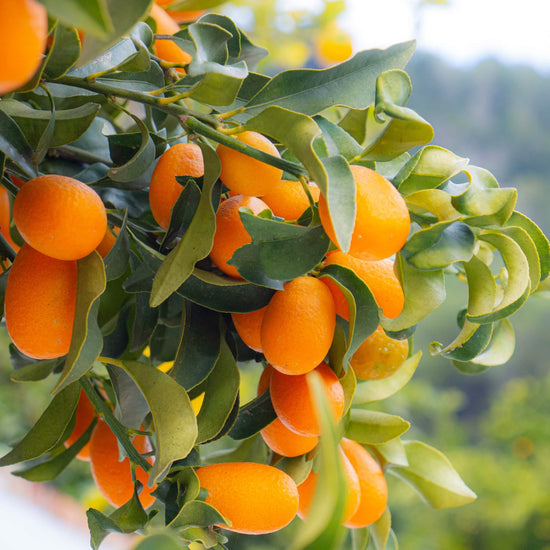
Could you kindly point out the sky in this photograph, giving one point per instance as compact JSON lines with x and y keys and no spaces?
{"x":463,"y":32}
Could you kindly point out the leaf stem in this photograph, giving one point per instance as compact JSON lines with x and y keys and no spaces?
{"x":117,"y":428}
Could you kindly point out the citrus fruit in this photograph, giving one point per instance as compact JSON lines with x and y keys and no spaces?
{"x":287,"y":199}
{"x":182,"y":159}
{"x":248,"y":327}
{"x":167,"y":49}
{"x":84,"y":416}
{"x":294,"y":402}
{"x":178,"y":15}
{"x":298,"y":326}
{"x":382,"y":219}
{"x":108,"y":241}
{"x":40,"y":304}
{"x":255,"y":498}
{"x":307,"y":488}
{"x":379,"y":276}
{"x":374,"y":491}
{"x":246,"y":175}
{"x":5,"y":217}
{"x":60,"y":216}
{"x":333,"y":45}
{"x":230,"y":231}
{"x":379,"y":356}
{"x":23,"y":36}
{"x":276,"y":435}
{"x":112,"y":476}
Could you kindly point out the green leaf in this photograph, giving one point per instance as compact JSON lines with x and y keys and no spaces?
{"x":199,"y":347}
{"x":265,"y":260}
{"x":50,"y":469}
{"x":436,"y":201}
{"x":380,"y":531}
{"x":64,"y":52}
{"x":197,"y":241}
{"x":48,"y":430}
{"x":173,"y":416}
{"x":373,"y":427}
{"x":91,"y":16}
{"x":186,"y":5}
{"x":333,"y":175}
{"x":253,"y":417}
{"x":87,"y":341}
{"x":14,"y":144}
{"x":527,"y":245}
{"x":360,"y":538}
{"x":337,"y":140}
{"x":429,"y":168}
{"x":123,"y":16}
{"x":393,"y":452}
{"x":517,"y":286}
{"x":70,"y":124}
{"x":159,"y":541}
{"x":197,"y":514}
{"x":432,"y":475}
{"x":424,"y":292}
{"x":376,"y":390}
{"x":439,"y":245}
{"x":220,"y":394}
{"x":351,"y":83}
{"x":224,"y":294}
{"x":484,"y":202}
{"x":100,"y":526}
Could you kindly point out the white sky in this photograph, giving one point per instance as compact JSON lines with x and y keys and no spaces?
{"x":514,"y":31}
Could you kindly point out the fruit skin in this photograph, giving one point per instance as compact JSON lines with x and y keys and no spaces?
{"x":40,"y":304}
{"x":168,"y":50}
{"x":379,"y":276}
{"x":294,"y":403}
{"x":5,"y":217}
{"x":276,"y":435}
{"x":287,"y":199}
{"x":85,"y":414}
{"x":230,"y":231}
{"x":374,"y":491}
{"x":108,"y":241}
{"x":248,"y":326}
{"x":60,"y":216}
{"x":23,"y":37}
{"x":379,"y":356}
{"x":182,"y":159}
{"x":180,"y":16}
{"x":382,"y":220}
{"x":255,"y":498}
{"x":114,"y":477}
{"x":298,"y":326}
{"x":245,"y":175}
{"x":307,"y":488}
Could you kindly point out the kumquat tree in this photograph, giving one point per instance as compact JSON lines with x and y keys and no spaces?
{"x":174,"y":220}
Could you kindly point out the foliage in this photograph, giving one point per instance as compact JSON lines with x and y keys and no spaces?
{"x":158,"y":289}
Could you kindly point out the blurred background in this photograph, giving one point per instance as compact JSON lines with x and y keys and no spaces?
{"x":481,"y":77}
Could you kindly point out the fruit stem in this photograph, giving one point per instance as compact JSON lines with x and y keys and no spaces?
{"x":117,"y":428}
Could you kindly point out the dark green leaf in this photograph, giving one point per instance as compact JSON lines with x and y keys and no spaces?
{"x":64,"y":53}
{"x":100,"y":526}
{"x":14,"y":144}
{"x":253,"y":417}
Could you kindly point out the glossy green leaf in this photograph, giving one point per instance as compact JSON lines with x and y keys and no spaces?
{"x":298,"y":132}
{"x":253,"y":417}
{"x":14,"y":144}
{"x":471,"y":341}
{"x":173,"y":416}
{"x":50,"y":469}
{"x":440,"y":245}
{"x":197,"y":513}
{"x":100,"y":526}
{"x":64,"y":53}
{"x":484,"y":202}
{"x":393,"y":452}
{"x":501,"y":346}
{"x":337,"y":140}
{"x":432,"y":475}
{"x":91,"y":16}
{"x":517,"y":286}
{"x":224,"y":294}
{"x":197,"y":241}
{"x":429,"y":168}
{"x":199,"y":347}
{"x":48,"y":430}
{"x":373,"y":427}
{"x":70,"y":124}
{"x":220,"y":393}
{"x":351,"y":83}
{"x":424,"y":292}
{"x":527,"y":245}
{"x":517,"y":219}
{"x":87,"y":340}
{"x":123,"y":17}
{"x":297,"y":467}
{"x":376,"y":390}
{"x":435,"y":201}
{"x":265,"y":260}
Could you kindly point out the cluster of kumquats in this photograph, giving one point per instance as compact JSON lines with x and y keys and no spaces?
{"x":295,"y":330}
